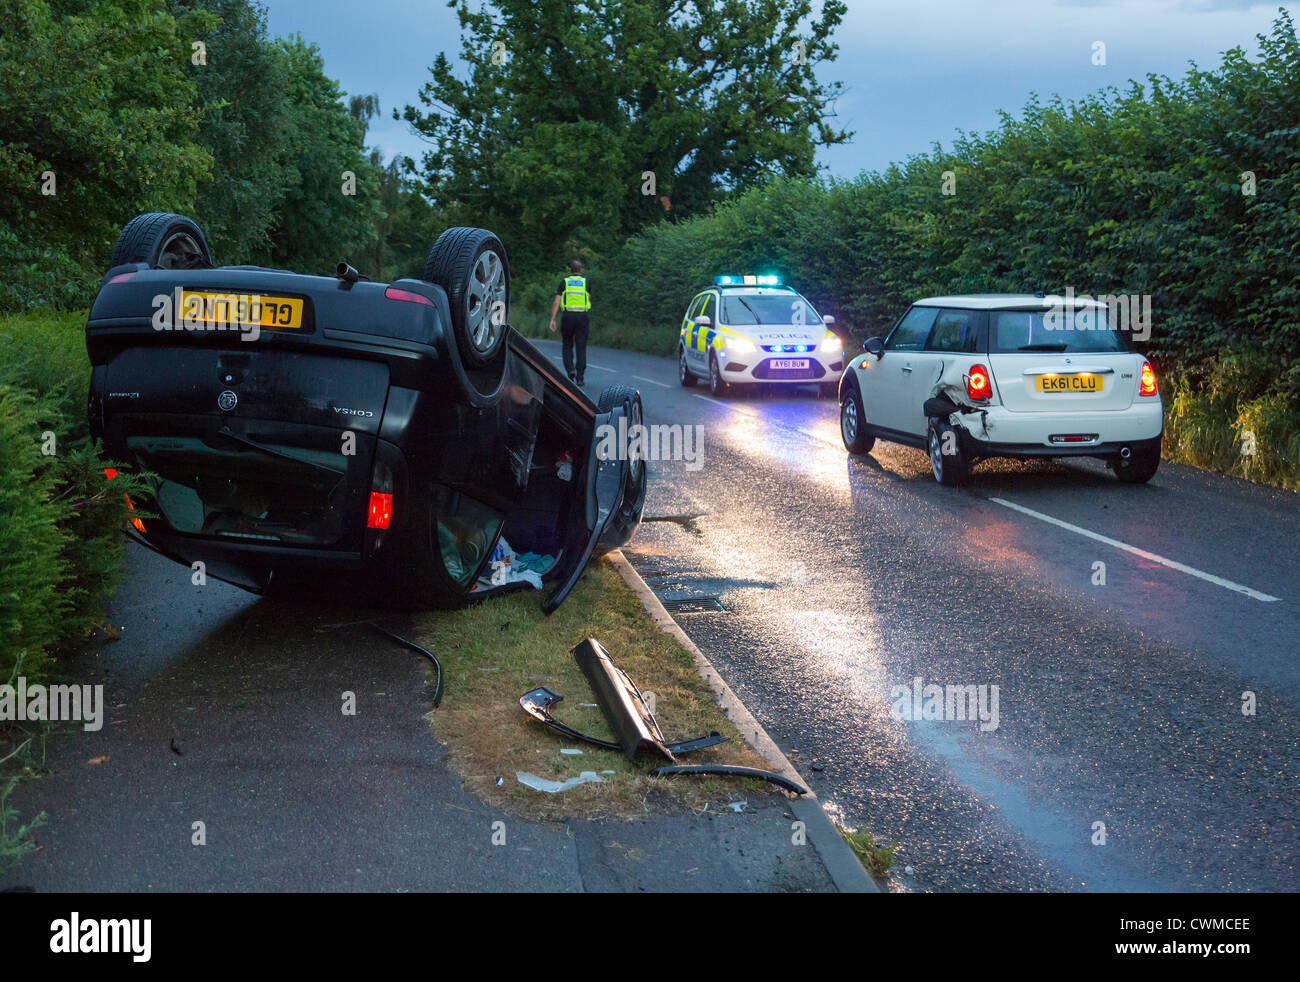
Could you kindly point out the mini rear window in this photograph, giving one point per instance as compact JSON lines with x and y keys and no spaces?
{"x":1081,"y":330}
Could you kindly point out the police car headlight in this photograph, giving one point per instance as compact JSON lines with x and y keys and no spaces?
{"x":739,"y":346}
{"x":832,"y":343}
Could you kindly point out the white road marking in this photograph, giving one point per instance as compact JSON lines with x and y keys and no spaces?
{"x":601,"y":368}
{"x":662,"y":385}
{"x":1182,"y":568}
{"x":714,"y":401}
{"x":820,"y":436}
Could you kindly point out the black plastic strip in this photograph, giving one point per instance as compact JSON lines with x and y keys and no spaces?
{"x":728,"y":770}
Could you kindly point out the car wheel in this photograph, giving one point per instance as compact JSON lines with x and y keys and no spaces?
{"x":684,"y":374}
{"x":717,"y":387}
{"x":470,"y":264}
{"x":855,"y":432}
{"x":626,"y":518}
{"x":1139,"y":468}
{"x":164,"y":241}
{"x":948,"y":468}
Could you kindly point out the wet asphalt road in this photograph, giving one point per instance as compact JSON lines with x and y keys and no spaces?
{"x":1119,"y":704}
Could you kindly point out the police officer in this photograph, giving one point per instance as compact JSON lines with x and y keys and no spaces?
{"x":572,"y":295}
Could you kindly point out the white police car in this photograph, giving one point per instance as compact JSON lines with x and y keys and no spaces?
{"x":993,"y":375}
{"x":750,"y":330}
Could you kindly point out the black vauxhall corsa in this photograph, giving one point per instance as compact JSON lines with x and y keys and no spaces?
{"x":313,"y":434}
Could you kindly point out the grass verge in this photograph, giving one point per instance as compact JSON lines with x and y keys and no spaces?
{"x":494,"y":653}
{"x":878,"y":860}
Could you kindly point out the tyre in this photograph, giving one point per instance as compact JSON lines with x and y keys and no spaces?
{"x":164,"y":241}
{"x":471,"y":266}
{"x":949,"y":468}
{"x":626,"y":518}
{"x":717,"y":387}
{"x":684,"y":374}
{"x":1139,"y":468}
{"x":857,"y":435}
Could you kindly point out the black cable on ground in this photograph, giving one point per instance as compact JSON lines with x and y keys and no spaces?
{"x":437,"y":689}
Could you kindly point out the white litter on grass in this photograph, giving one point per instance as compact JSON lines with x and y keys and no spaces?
{"x":737,"y":806}
{"x":571,"y":753}
{"x":551,"y":787}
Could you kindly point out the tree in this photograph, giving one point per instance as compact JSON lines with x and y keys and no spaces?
{"x":590,"y":120}
{"x":240,"y":81}
{"x":97,"y":121}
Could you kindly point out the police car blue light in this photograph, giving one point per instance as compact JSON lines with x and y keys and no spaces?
{"x":749,"y":279}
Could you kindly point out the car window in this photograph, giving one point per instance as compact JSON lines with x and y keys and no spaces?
{"x":912,"y":330}
{"x":693,"y":307}
{"x":710,"y":309}
{"x":954,"y":330}
{"x":1034,"y":330}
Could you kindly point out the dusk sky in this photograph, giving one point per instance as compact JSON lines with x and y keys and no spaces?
{"x":914,"y":71}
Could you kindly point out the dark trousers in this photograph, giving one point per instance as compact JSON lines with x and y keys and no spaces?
{"x":573,"y":334}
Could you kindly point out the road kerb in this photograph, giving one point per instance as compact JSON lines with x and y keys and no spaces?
{"x":843,"y":866}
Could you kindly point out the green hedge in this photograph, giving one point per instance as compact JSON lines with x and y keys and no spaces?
{"x":60,"y":518}
{"x":1138,"y":191}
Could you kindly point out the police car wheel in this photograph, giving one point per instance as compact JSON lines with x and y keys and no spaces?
{"x":949,"y":468}
{"x":717,"y":386}
{"x":471,"y":266}
{"x":857,"y":435}
{"x":684,"y":374}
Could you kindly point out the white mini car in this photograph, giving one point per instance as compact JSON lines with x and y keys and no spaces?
{"x":1005,"y":375}
{"x":750,"y":330}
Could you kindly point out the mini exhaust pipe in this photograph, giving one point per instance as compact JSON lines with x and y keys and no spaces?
{"x":1125,"y":453}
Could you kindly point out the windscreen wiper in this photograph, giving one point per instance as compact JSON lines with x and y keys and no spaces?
{"x":230,"y":434}
{"x":1045,"y":346}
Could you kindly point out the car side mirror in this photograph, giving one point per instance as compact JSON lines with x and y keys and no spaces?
{"x":703,"y":320}
{"x":874,"y":346}
{"x":828,"y":319}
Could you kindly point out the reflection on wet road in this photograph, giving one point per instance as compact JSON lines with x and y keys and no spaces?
{"x":1124,"y":628}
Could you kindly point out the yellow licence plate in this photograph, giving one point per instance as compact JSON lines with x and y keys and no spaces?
{"x":272,"y":313}
{"x":1068,"y":383}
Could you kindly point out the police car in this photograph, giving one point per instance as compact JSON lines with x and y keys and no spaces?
{"x":751,"y":329}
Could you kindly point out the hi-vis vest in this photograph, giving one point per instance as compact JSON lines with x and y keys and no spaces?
{"x":575,"y":296}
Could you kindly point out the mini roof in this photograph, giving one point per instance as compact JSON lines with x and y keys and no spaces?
{"x":1008,"y":301}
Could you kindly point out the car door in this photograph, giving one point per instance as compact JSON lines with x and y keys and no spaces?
{"x":886,"y":382}
{"x":688,"y":326}
{"x":701,"y":350}
{"x":954,"y":333}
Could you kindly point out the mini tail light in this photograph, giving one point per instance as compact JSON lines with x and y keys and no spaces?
{"x":122,"y":277}
{"x":381,"y":510}
{"x":393,"y":293}
{"x":978,"y":386}
{"x":1147,"y":387}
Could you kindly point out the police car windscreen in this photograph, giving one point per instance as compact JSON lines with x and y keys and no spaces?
{"x":772,"y":308}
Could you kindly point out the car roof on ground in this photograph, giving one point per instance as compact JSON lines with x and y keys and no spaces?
{"x":1007,"y":301}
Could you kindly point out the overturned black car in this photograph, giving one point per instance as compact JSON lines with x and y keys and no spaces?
{"x":322,"y":435}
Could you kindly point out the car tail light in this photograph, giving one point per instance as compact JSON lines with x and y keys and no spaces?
{"x":978,"y":386}
{"x":393,"y":293}
{"x":123,"y":277}
{"x":109,"y":474}
{"x":381,"y":510}
{"x":1147,"y":387}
